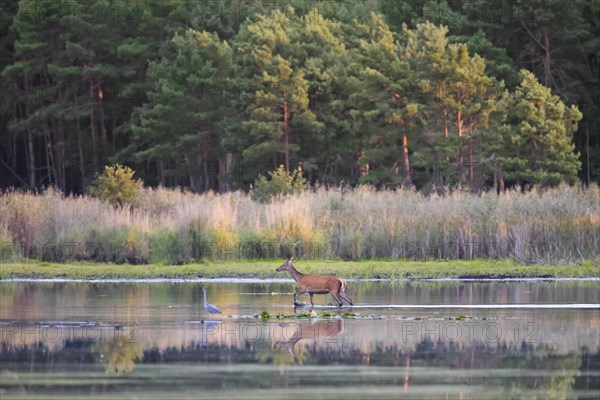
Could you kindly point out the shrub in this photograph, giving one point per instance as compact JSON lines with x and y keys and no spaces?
{"x":281,"y":183}
{"x":166,"y":246}
{"x":8,"y":252}
{"x":116,"y":185}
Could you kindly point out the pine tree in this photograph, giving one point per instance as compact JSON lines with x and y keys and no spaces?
{"x":388,"y":107}
{"x":178,"y":129}
{"x":27,"y":77}
{"x":458,"y":94}
{"x":324,"y":67}
{"x":277,"y":111}
{"x":540,"y":136}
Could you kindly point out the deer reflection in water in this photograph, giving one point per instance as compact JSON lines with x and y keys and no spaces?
{"x":297,"y":335}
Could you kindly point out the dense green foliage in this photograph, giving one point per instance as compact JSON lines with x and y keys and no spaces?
{"x":209,"y":95}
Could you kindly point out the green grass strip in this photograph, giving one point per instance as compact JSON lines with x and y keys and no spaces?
{"x":385,"y":269}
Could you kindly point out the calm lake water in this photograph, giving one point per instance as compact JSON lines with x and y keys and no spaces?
{"x":409,"y":340}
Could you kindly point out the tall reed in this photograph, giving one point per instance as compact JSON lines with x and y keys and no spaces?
{"x":558,"y":226}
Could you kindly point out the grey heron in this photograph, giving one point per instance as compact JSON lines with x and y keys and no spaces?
{"x":209,"y":307}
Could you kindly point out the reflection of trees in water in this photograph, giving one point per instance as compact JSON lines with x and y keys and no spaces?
{"x":589,"y":362}
{"x":561,"y":372}
{"x":119,"y":355}
{"x":556,"y":382}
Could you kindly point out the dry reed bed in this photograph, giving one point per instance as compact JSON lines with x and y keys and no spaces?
{"x":557,"y":226}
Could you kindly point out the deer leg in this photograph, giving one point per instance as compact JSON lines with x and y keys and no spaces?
{"x":346,"y":297}
{"x":296,"y":293}
{"x":340,"y":302}
{"x":311,"y":299}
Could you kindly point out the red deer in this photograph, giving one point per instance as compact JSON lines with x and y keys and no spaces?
{"x":316,"y":284}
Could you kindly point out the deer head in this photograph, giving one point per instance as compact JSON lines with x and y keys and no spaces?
{"x":285,"y":266}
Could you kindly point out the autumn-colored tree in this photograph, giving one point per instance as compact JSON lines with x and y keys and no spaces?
{"x":116,"y":185}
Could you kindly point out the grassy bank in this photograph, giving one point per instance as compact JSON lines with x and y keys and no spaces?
{"x":266,"y":269}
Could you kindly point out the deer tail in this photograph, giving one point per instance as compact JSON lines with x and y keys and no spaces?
{"x":343,"y":287}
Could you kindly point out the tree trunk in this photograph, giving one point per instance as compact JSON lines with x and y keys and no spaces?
{"x":498,"y":182}
{"x":356,"y":167}
{"x":103,"y":124}
{"x":60,"y":151}
{"x":547,"y":60}
{"x":102,"y":117}
{"x":50,"y":165}
{"x":470,"y":160}
{"x":587,"y":152}
{"x":30,"y":149}
{"x":286,"y":134}
{"x":228,"y":161}
{"x":406,"y":163}
{"x":191,"y":167}
{"x":93,"y":125}
{"x":364,"y":169}
{"x":112,"y":133}
{"x":161,"y":172}
{"x":547,"y":55}
{"x":445,"y":122}
{"x":31,"y":159}
{"x":459,"y":161}
{"x":80,"y":148}
{"x":222,"y":175}
{"x":14,"y":158}
{"x":224,"y":169}
{"x":205,"y":161}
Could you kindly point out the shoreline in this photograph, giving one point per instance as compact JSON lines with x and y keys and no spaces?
{"x":271,"y":280}
{"x":264,"y":271}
